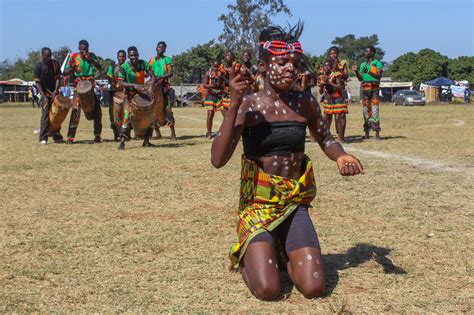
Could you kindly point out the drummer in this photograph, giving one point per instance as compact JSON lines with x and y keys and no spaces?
{"x":81,"y":64}
{"x":46,"y":75}
{"x":131,"y":77}
{"x":112,"y":73}
{"x":162,"y":67}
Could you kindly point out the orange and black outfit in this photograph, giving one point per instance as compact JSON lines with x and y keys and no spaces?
{"x":226,"y":79}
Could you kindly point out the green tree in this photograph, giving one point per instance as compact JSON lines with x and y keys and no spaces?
{"x":245,"y":20}
{"x":190,"y":65}
{"x":352,"y":48}
{"x":461,"y":68}
{"x":425,"y":65}
{"x":60,"y":54}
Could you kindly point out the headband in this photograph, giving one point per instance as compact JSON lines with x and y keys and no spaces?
{"x":277,"y":47}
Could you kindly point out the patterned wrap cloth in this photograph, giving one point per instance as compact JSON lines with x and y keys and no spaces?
{"x":333,"y":100}
{"x":266,"y":200}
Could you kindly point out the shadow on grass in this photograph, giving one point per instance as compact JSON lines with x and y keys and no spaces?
{"x":191,"y":137}
{"x":353,"y":257}
{"x":160,"y":146}
{"x":357,"y":139}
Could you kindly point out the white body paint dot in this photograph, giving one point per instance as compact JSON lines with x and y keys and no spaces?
{"x":270,"y":261}
{"x":309,"y":257}
{"x":316,"y":275}
{"x":239,"y":111}
{"x":287,"y":168}
{"x":264,"y":112}
{"x":276,"y":266}
{"x":275,"y":163}
{"x":273,"y":58}
{"x":277,"y":103}
{"x":300,"y":263}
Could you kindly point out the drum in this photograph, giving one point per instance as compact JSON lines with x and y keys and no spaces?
{"x":118,"y":99}
{"x":160,"y":114}
{"x":142,"y":115}
{"x":86,"y":95}
{"x":57,"y":114}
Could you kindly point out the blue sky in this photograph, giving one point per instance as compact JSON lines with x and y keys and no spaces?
{"x":402,"y":25}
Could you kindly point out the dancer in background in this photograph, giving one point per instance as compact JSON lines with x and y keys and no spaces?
{"x":369,"y":73}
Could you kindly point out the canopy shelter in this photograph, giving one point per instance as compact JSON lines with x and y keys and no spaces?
{"x":441,"y":81}
{"x":396,"y":84}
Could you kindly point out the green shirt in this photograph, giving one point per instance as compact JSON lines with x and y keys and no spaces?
{"x":131,"y":74}
{"x":372,"y":67}
{"x":110,"y":72}
{"x":85,"y":68}
{"x":160,"y":67}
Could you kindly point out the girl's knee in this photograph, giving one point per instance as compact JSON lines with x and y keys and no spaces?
{"x":312,"y":288}
{"x":266,"y":292}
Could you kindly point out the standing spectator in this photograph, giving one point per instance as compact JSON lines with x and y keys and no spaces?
{"x":467,"y":95}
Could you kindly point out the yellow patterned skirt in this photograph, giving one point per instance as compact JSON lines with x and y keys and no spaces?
{"x":266,"y":200}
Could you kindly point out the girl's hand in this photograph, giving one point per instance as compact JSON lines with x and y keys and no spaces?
{"x":237,"y":86}
{"x":349,"y":165}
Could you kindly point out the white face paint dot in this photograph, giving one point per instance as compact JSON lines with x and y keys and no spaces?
{"x":284,"y":111}
{"x":273,"y":72}
{"x":270,"y":261}
{"x":287,"y":168}
{"x":273,"y":58}
{"x":258,"y":106}
{"x":300,"y":263}
{"x":309,"y":257}
{"x":276,"y":112}
{"x":276,"y":266}
{"x":268,"y":92}
{"x":321,"y":123}
{"x":258,"y":99}
{"x":250,"y":109}
{"x":275,"y":163}
{"x":239,"y":111}
{"x":316,"y":275}
{"x":219,"y":134}
{"x":317,"y":261}
{"x":244,"y":99}
{"x":294,"y":163}
{"x":254,"y":94}
{"x":292,"y":55}
{"x":319,"y":130}
{"x":264,"y":112}
{"x":285,"y":162}
{"x":275,"y":157}
{"x":277,"y":103}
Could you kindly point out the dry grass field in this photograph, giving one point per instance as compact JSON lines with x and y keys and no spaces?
{"x":86,"y":228}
